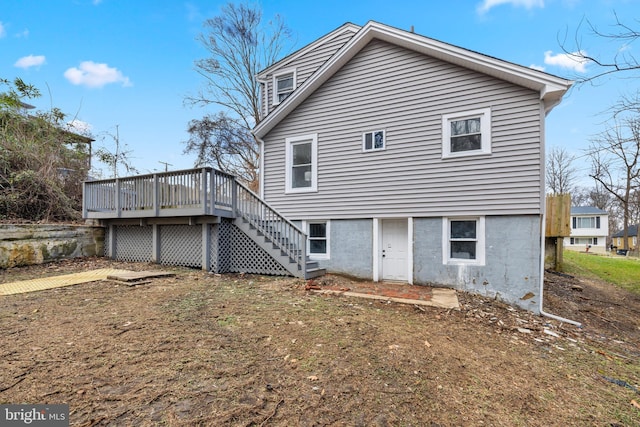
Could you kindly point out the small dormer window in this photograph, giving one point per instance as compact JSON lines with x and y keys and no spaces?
{"x":283,"y":84}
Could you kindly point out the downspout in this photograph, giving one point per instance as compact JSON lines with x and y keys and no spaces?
{"x":542,"y":248}
{"x":543,"y":203}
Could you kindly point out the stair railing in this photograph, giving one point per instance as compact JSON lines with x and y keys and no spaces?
{"x":289,"y":238}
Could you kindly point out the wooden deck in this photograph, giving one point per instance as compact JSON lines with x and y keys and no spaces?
{"x":192,"y":192}
{"x":196,"y":196}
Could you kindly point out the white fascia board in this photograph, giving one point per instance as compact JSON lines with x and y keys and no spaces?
{"x":303,"y":51}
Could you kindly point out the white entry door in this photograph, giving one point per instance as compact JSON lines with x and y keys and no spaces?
{"x":394,"y":249}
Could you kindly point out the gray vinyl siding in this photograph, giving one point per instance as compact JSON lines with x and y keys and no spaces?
{"x":306,"y":65}
{"x":405,"y":93}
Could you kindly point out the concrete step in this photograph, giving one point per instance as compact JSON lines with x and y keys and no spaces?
{"x":314,"y":272}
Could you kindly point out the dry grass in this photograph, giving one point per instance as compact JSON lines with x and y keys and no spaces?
{"x":201,"y":349}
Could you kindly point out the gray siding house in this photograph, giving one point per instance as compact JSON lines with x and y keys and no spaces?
{"x":589,"y":230}
{"x":407,"y":159}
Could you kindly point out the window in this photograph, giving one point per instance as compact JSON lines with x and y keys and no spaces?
{"x":283,"y":84}
{"x":318,"y":239}
{"x":586,"y":222}
{"x":463,"y":241}
{"x":467,"y":133}
{"x":584,"y":240}
{"x":301,"y":164}
{"x":373,"y":140}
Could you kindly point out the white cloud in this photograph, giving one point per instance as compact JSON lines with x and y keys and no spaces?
{"x":572,"y":61}
{"x":486,"y":5}
{"x":537,"y":67}
{"x":79,"y":127}
{"x":91,"y":74}
{"x":30,"y":61}
{"x":193,"y":13}
{"x":3,"y":32}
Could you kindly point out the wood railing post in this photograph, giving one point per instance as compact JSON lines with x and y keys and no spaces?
{"x":234,"y":197}
{"x":156,"y":195}
{"x":213,"y":189}
{"x":303,"y":250}
{"x":203,"y":191}
{"x":118,"y":201}
{"x":85,"y":209}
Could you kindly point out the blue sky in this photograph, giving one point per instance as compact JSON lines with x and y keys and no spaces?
{"x":130,"y":64}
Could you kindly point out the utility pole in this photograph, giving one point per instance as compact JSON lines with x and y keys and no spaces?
{"x":166,"y":165}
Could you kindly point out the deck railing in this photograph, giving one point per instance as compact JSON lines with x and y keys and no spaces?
{"x":204,"y":191}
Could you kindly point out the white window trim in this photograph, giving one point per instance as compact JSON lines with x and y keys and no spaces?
{"x":274,"y":85}
{"x":384,"y":140}
{"x":485,"y":130}
{"x":305,"y":227}
{"x":289,"y":142}
{"x":446,"y":242}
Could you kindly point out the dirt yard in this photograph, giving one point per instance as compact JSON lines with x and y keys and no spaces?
{"x":233,"y":350}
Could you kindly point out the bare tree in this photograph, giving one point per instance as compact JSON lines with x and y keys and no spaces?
{"x":225,"y":144}
{"x":634,"y":205}
{"x":620,"y":60}
{"x":118,"y":156}
{"x":240,"y":44}
{"x":615,"y":163}
{"x":560,"y":173}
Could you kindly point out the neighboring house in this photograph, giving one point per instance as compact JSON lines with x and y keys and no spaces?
{"x":617,"y":239}
{"x":589,"y":230}
{"x":408,"y":159}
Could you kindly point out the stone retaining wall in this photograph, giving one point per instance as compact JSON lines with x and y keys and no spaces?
{"x":27,"y":244}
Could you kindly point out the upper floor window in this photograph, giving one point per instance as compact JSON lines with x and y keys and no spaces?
{"x":586,"y":222}
{"x":466,"y":133}
{"x":283,"y":84}
{"x":373,"y":140}
{"x":301,"y":158}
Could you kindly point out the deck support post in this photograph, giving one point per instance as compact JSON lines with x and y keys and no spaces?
{"x":111,"y":243}
{"x":155,"y":243}
{"x":206,"y":246}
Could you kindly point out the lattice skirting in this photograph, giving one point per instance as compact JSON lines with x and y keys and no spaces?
{"x":239,"y":254}
{"x":227,"y":248}
{"x":181,"y":245}
{"x":132,"y":243}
